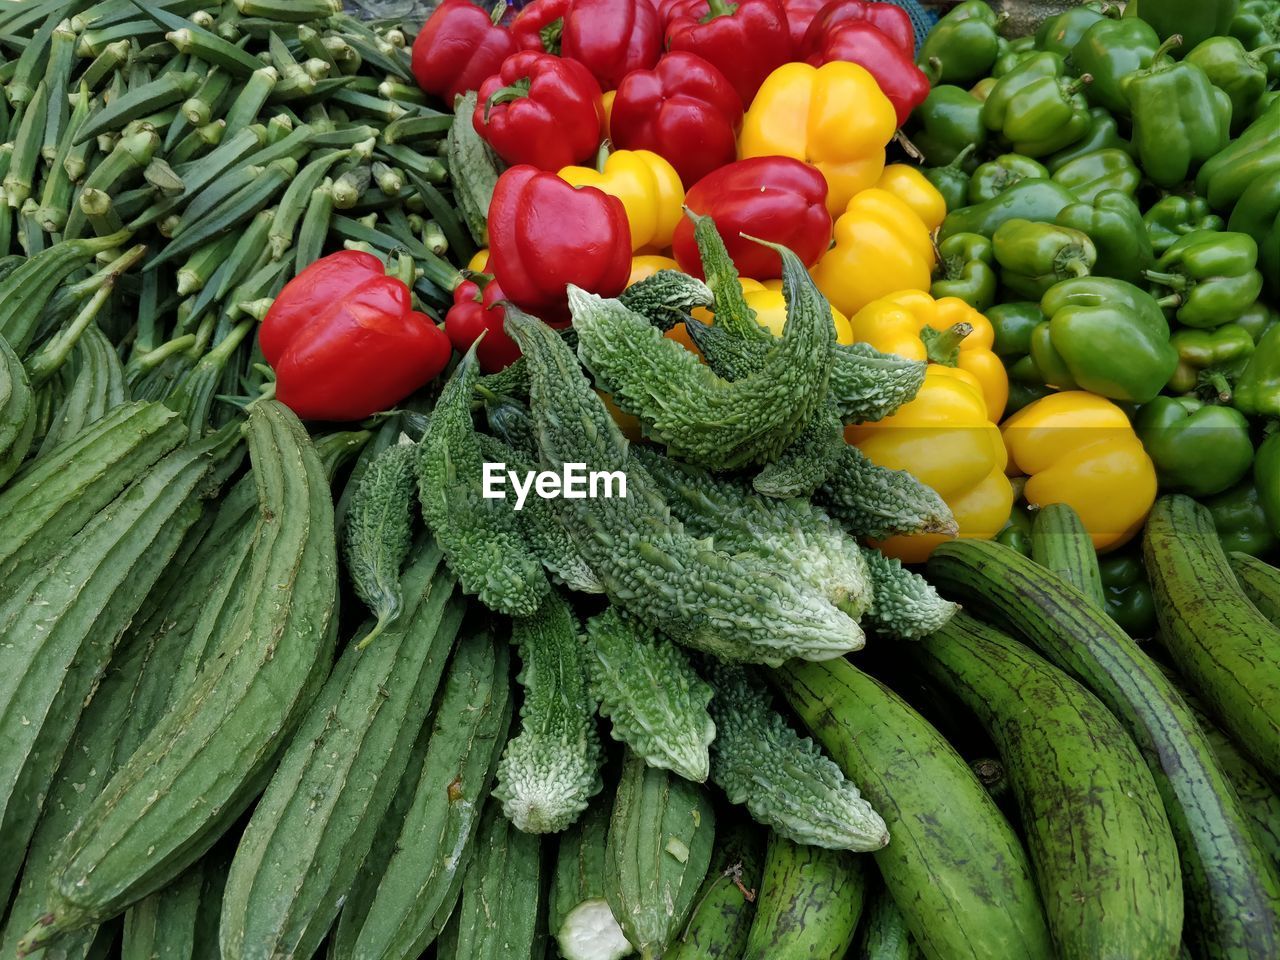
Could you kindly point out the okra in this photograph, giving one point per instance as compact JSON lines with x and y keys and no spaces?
{"x":315,"y":226}
{"x":31,"y":235}
{"x":126,"y":162}
{"x":417,"y":127}
{"x":369,"y":105}
{"x":195,"y":273}
{"x":54,"y":353}
{"x":26,"y":149}
{"x":263,"y":283}
{"x":348,"y":187}
{"x":252,"y":97}
{"x":389,"y":180}
{"x":201,"y":106}
{"x":114,"y":11}
{"x":198,"y":142}
{"x":57,"y":77}
{"x":160,"y":175}
{"x":193,"y":397}
{"x":105,"y":64}
{"x":189,"y":37}
{"x":446,"y":217}
{"x":294,"y":201}
{"x":289,"y":11}
{"x":171,"y":88}
{"x":433,"y":238}
{"x":93,"y":42}
{"x":31,"y":63}
{"x":260,"y":28}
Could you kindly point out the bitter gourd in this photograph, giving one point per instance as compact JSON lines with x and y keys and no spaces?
{"x":810,"y":459}
{"x":726,"y":904}
{"x":877,"y":502}
{"x":549,"y":772}
{"x":578,"y":915}
{"x":666,"y":297}
{"x":905,"y":604}
{"x":785,"y":780}
{"x":737,"y":608}
{"x":17,"y":412}
{"x":479,"y":536}
{"x":656,"y":702}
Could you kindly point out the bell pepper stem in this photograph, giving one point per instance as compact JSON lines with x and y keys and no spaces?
{"x":1216,"y":382}
{"x":932,"y":70}
{"x":1264,"y":50}
{"x":959,"y":160}
{"x":943,"y":346}
{"x":550,"y":35}
{"x":506,"y":94}
{"x":1173,"y":281}
{"x":1079,"y":83}
{"x":602,"y":155}
{"x":499,"y":11}
{"x":1077,"y":268}
{"x":719,"y":8}
{"x":911,"y":150}
{"x":1162,"y":51}
{"x":1173,"y":300}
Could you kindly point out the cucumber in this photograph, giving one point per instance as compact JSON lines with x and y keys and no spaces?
{"x":808,"y":903}
{"x":953,"y":863}
{"x":17,"y":412}
{"x":1060,"y":542}
{"x":1228,"y":651}
{"x":661,"y":834}
{"x":726,"y":904}
{"x":578,"y":915}
{"x":1100,"y":843}
{"x":1260,"y":582}
{"x":205,"y":760}
{"x":419,"y":886}
{"x":883,"y":933}
{"x":315,"y":822}
{"x":1231,"y":892}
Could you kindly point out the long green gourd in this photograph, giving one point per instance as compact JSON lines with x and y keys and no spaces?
{"x":726,"y":904}
{"x":578,"y":915}
{"x":207,"y":758}
{"x":17,"y":412}
{"x":98,"y":388}
{"x":166,"y":920}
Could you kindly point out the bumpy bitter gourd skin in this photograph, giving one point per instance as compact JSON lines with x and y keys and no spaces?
{"x":736,"y":608}
{"x":666,"y":297}
{"x":552,"y":769}
{"x":648,"y":689}
{"x":876,"y":502}
{"x":785,"y":780}
{"x":906,"y":605}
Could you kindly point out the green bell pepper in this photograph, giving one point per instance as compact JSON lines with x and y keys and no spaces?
{"x":1180,"y":119}
{"x":1213,"y":275}
{"x":1257,"y":213}
{"x":966,"y":264}
{"x":1024,"y":394}
{"x":1237,"y":72}
{"x":965,"y":43}
{"x":1013,"y":324}
{"x":1128,"y":593}
{"x":1109,"y":50}
{"x":1266,"y":479}
{"x":1197,"y":449}
{"x":1016,"y":532}
{"x":1035,"y":256}
{"x":949,"y":119}
{"x":1257,"y":24}
{"x":1091,"y":174}
{"x":1171,"y":218}
{"x":1257,"y":389}
{"x":982,"y":89}
{"x":996,"y":176}
{"x":1195,"y":20}
{"x":1114,"y":224}
{"x":1033,"y":199}
{"x":1013,"y":54}
{"x":952,"y":180}
{"x":1105,"y":336}
{"x":1103,"y":134}
{"x":1210,"y":359}
{"x":1241,"y":520}
{"x":1037,"y":108}
{"x":1256,"y":152}
{"x":1258,"y":319}
{"x":1061,"y":33}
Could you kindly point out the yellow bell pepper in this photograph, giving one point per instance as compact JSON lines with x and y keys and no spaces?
{"x":648,"y":187}
{"x":1080,"y":449}
{"x":944,"y":438}
{"x":646,"y":265}
{"x":881,"y":247}
{"x":898,"y":324}
{"x":606,"y":111}
{"x":913,"y":188}
{"x":479,"y":261}
{"x":833,"y":117}
{"x":771,"y":309}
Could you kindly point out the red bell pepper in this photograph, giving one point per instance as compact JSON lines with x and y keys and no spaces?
{"x":545,"y":233}
{"x":458,"y":47}
{"x":475,"y":312}
{"x":345,"y":341}
{"x":540,"y":109}
{"x":612,"y":37}
{"x":746,"y":40}
{"x":771,"y":198}
{"x":889,"y":19}
{"x":683,"y":110}
{"x":539,"y":26}
{"x":800,"y":14}
{"x":896,"y":73}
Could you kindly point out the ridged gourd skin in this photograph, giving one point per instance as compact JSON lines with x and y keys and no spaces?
{"x":1231,"y":891}
{"x":1227,"y":650}
{"x":877,"y":502}
{"x":1260,"y":582}
{"x":578,"y":916}
{"x":661,"y":837}
{"x":17,"y":412}
{"x":655,"y":701}
{"x":1060,"y":542}
{"x":205,"y":760}
{"x":474,"y":167}
{"x":666,"y":297}
{"x":1099,"y":840}
{"x":726,"y":904}
{"x":480,"y":537}
{"x":785,"y":780}
{"x":959,"y":874}
{"x":736,"y":608}
{"x":61,"y":625}
{"x":904,"y":605}
{"x":808,"y":903}
{"x":551,"y":770}
{"x":419,"y":886}
{"x":883,"y":934}
{"x":98,"y":388}
{"x":166,"y":920}
{"x":315,"y":822}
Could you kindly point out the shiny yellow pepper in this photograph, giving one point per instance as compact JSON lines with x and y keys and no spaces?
{"x":833,"y":117}
{"x":912,"y":324}
{"x":1080,"y":449}
{"x":945,"y":439}
{"x":648,"y":187}
{"x":881,"y":247}
{"x":645,"y":265}
{"x":913,"y":188}
{"x":771,"y":309}
{"x":479,"y":261}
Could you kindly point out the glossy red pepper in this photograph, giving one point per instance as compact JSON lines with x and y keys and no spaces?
{"x":895,"y":70}
{"x":540,"y":109}
{"x":889,"y":19}
{"x":612,"y":37}
{"x":345,"y":341}
{"x":545,"y":233}
{"x":475,"y":312}
{"x":800,"y":14}
{"x":746,"y":40}
{"x":684,"y":110}
{"x":771,"y":198}
{"x":539,"y":26}
{"x":458,"y":48}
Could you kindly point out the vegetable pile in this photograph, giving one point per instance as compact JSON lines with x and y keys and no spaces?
{"x":569,"y":482}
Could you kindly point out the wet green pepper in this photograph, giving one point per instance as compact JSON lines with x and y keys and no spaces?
{"x":1114,"y":224}
{"x":1105,"y":336}
{"x":1024,"y":394}
{"x":1035,"y":256}
{"x":1213,"y":275}
{"x":1013,"y":324}
{"x":1257,"y":24}
{"x":982,"y":89}
{"x":1091,"y":174}
{"x":948,"y":120}
{"x":1103,"y":134}
{"x":1210,"y":359}
{"x":1060,"y":34}
{"x":1241,"y":520}
{"x":1266,"y":480}
{"x":1237,"y":72}
{"x":1257,"y":213}
{"x":1257,"y":390}
{"x":1197,"y":449}
{"x":1171,"y":218}
{"x":1017,"y":531}
{"x":967,"y":270}
{"x":1258,"y":319}
{"x":1037,"y":108}
{"x":1128,"y":593}
{"x":1109,"y":50}
{"x":951,"y":180}
{"x":996,"y":176}
{"x":1256,"y":152}
{"x":1195,"y":20}
{"x":1180,"y":119}
{"x":1012,"y":54}
{"x":1028,"y":199}
{"x":965,"y":43}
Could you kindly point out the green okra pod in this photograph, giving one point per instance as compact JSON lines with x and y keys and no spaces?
{"x":164,"y":91}
{"x":26,"y":149}
{"x":30,"y":65}
{"x":315,"y":226}
{"x":249,"y":101}
{"x":57,"y":77}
